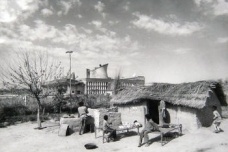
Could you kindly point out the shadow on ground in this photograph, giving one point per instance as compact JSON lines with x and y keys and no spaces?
{"x":166,"y":138}
{"x":126,"y":134}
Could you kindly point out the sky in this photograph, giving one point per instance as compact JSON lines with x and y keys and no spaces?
{"x":171,"y":41}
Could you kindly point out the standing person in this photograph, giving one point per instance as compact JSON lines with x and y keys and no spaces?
{"x":108,"y":129}
{"x":82,"y":114}
{"x":217,"y":120}
{"x":149,"y":127}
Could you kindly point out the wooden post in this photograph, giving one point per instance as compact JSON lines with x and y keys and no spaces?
{"x":161,"y":112}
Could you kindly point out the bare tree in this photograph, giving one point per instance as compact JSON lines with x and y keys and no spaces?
{"x":31,"y":70}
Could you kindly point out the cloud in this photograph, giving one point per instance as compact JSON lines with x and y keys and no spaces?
{"x":165,"y":27}
{"x":66,"y":5}
{"x":11,"y":11}
{"x":46,"y":12}
{"x":113,"y":22}
{"x":221,"y":8}
{"x":104,"y":45}
{"x":13,"y":42}
{"x":98,"y":25}
{"x":68,"y":35}
{"x":2,"y":39}
{"x":100,"y":8}
{"x":222,"y":40}
{"x":126,"y":6}
{"x":4,"y":31}
{"x":79,"y":16}
{"x":215,"y":7}
{"x":7,"y":15}
{"x":41,"y":31}
{"x":88,"y":31}
{"x":78,"y":2}
{"x":182,"y":50}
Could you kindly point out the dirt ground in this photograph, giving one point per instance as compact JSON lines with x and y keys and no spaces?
{"x":24,"y":138}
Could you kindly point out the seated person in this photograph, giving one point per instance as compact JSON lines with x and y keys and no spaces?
{"x":149,"y":127}
{"x":108,"y":129}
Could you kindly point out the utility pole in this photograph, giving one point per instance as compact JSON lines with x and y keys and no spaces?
{"x":70,"y":52}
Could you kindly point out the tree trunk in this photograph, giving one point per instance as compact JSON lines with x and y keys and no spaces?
{"x":38,"y":117}
{"x":38,"y":111}
{"x":43,"y":111}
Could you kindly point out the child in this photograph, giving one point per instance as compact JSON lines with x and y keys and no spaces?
{"x":108,"y":129}
{"x":217,"y":120}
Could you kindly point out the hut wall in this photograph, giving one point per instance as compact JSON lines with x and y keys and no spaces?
{"x":205,"y":114}
{"x":185,"y":116}
{"x":130,"y":113}
{"x":212,"y":100}
{"x":114,"y":117}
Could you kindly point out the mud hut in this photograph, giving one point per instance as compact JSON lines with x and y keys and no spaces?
{"x":188,"y":104}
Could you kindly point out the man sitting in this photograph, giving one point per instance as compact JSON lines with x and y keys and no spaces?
{"x":149,"y":127}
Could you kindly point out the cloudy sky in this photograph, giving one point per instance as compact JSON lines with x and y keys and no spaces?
{"x":164,"y":40}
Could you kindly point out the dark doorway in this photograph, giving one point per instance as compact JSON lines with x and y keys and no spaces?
{"x":152,"y":107}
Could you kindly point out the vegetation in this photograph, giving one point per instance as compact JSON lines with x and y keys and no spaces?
{"x":59,"y":99}
{"x":18,"y":109}
{"x":31,"y":70}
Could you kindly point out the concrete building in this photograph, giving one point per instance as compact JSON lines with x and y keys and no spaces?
{"x":98,"y":82}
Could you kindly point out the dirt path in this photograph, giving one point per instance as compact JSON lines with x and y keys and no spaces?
{"x":24,"y":138}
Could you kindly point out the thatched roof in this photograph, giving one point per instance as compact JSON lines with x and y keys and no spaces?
{"x":186,"y":94}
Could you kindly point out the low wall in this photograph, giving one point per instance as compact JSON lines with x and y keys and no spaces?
{"x":130,"y":113}
{"x":185,"y":116}
{"x":114,"y":117}
{"x":75,"y":123}
{"x":225,"y":111}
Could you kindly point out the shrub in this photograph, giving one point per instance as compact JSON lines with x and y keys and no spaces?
{"x":32,"y":118}
{"x":2,"y":114}
{"x":99,"y":101}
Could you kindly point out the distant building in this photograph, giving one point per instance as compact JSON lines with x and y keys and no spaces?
{"x":77,"y":87}
{"x":98,"y":82}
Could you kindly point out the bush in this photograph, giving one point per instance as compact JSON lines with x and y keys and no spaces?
{"x":2,"y":114}
{"x":32,"y":118}
{"x":99,"y":101}
{"x":20,"y":110}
